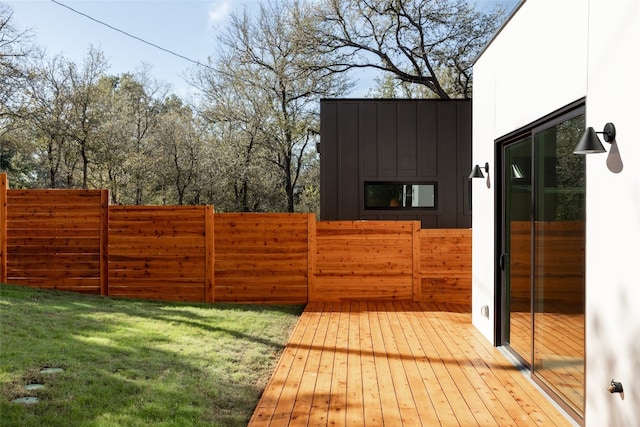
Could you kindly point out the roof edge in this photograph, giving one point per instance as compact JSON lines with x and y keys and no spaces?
{"x":499,"y":30}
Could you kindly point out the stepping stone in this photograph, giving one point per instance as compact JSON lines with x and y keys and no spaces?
{"x":34,"y":386}
{"x":51,"y":370}
{"x":30,"y":400}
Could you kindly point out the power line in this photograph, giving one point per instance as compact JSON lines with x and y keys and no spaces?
{"x":132,"y":36}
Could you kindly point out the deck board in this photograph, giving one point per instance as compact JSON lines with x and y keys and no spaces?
{"x":397,"y":364}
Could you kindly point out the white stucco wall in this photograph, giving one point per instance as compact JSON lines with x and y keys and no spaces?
{"x":550,"y":54}
{"x":613,"y":215}
{"x":517,"y":80}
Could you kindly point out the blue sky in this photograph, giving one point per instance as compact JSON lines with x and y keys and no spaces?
{"x":186,"y":27}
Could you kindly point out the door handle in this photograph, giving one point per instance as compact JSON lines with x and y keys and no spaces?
{"x":503,"y":261}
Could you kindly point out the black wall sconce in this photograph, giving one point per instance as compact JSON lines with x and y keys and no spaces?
{"x":477,"y":171}
{"x":590,"y":143}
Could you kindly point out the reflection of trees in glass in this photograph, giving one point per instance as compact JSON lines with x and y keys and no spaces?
{"x":381,"y":195}
{"x":560,"y":174}
{"x":400,"y":195}
{"x":570,"y":204}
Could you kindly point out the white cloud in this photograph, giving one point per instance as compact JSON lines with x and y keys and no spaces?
{"x":219,"y":11}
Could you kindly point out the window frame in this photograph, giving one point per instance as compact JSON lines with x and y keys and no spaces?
{"x":369,"y":207}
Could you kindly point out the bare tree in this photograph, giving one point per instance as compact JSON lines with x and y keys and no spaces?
{"x":15,"y":49}
{"x":239,"y":114}
{"x":131,"y":106}
{"x":44,"y":112}
{"x":179,"y":146}
{"x":273,"y":68}
{"x":417,"y":41}
{"x":85,"y":116}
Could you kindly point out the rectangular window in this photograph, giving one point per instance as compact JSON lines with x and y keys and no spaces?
{"x":392,"y":195}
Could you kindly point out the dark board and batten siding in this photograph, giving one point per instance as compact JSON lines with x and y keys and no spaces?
{"x":398,"y":141}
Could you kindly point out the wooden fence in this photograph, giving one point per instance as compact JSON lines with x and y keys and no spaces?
{"x":445,"y":266}
{"x":161,"y":252}
{"x":262,"y":257}
{"x":561,"y":246}
{"x":362,"y":260}
{"x":74,"y":240}
{"x":54,"y":238}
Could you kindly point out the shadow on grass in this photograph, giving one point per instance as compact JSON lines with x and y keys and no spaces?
{"x":130,"y":362}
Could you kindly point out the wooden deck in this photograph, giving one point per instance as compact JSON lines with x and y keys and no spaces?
{"x":396,"y":364}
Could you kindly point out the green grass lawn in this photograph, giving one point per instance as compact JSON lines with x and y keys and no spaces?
{"x":135,"y":363}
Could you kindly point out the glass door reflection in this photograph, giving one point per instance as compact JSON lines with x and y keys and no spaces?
{"x":559,"y":262}
{"x":517,"y":257}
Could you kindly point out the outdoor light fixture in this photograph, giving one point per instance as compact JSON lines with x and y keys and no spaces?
{"x":516,"y":172}
{"x":477,"y":171}
{"x":590,"y":143}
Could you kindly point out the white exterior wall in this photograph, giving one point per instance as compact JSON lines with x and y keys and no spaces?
{"x":518,"y":80}
{"x":550,"y":54}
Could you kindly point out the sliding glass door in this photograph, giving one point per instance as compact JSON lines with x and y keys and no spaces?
{"x":559,"y":261}
{"x":543,"y":228}
{"x":517,"y":255}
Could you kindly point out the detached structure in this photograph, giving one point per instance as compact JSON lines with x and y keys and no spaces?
{"x":393,"y":159}
{"x":556,"y":233}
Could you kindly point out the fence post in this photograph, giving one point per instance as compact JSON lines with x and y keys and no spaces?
{"x":3,"y":227}
{"x":311,"y":257}
{"x":210,"y":254}
{"x":104,"y":242}
{"x":417,"y":258}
